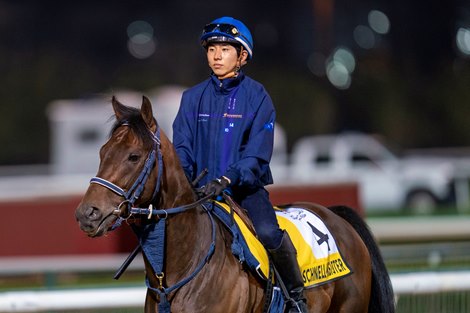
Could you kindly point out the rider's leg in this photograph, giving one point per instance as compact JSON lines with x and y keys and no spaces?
{"x":278,"y":243}
{"x":285,"y":260}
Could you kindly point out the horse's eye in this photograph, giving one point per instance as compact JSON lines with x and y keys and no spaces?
{"x":133,"y":157}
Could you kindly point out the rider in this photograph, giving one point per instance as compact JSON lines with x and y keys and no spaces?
{"x":226,"y":124}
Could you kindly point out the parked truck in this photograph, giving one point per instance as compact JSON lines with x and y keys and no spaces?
{"x":386,"y":181}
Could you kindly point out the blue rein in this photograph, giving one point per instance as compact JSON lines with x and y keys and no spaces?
{"x":152,"y":236}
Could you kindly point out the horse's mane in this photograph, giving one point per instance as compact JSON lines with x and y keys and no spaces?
{"x":131,"y":117}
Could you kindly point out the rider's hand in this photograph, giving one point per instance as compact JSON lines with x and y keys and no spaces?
{"x":216,"y":187}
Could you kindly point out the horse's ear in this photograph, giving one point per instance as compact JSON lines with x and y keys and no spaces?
{"x":118,"y":108}
{"x":147,"y":114}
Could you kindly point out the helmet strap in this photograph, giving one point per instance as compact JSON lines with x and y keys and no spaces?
{"x":239,"y":61}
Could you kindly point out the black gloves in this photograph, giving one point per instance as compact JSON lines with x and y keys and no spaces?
{"x":216,"y":187}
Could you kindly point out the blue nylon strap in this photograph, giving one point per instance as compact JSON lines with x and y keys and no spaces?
{"x":152,"y":241}
{"x":134,"y":192}
{"x":160,"y":166}
{"x":118,"y":223}
{"x":165,"y":212}
{"x":163,"y":305}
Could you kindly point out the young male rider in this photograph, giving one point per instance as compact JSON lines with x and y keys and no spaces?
{"x":226,"y":124}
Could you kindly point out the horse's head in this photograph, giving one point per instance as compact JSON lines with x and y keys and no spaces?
{"x":124,"y":160}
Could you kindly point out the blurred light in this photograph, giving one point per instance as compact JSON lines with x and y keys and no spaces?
{"x":463,"y":40}
{"x":141,"y":44}
{"x":338,"y":75}
{"x":316,"y":64}
{"x":379,"y":22}
{"x":364,"y":37}
{"x":139,"y":27}
{"x":346,"y":58}
{"x":141,"y":47}
{"x":339,"y":67}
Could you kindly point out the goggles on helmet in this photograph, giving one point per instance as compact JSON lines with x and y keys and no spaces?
{"x":227,"y":29}
{"x":223,"y":28}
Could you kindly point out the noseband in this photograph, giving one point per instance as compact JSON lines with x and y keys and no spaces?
{"x":130,"y":196}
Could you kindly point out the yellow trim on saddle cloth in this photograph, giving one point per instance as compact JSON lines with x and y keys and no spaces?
{"x":318,"y":256}
{"x":255,"y":246}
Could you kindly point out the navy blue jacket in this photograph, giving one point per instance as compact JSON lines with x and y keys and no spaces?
{"x":227,"y":127}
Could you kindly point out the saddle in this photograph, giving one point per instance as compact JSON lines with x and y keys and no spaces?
{"x":318,"y":255}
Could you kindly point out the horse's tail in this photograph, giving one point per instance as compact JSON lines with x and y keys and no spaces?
{"x":381,"y":298}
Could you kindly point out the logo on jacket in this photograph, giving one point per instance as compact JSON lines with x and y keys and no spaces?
{"x":203,"y":117}
{"x":269,"y":126}
{"x":227,"y":115}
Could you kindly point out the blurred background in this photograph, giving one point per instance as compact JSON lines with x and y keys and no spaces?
{"x":372,"y":104}
{"x":400,"y":69}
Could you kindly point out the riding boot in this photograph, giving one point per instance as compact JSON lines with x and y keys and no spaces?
{"x":285,"y":261}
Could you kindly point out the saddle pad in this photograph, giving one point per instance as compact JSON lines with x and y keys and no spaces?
{"x":318,"y":255}
{"x":319,"y":258}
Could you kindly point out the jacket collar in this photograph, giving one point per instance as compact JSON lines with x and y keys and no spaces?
{"x":228,"y":84}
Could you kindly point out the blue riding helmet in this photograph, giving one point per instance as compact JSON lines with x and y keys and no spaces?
{"x":228,"y":29}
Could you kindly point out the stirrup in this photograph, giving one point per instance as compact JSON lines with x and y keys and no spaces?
{"x":296,"y":303}
{"x":296,"y":306}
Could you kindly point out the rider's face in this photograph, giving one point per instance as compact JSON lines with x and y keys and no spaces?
{"x":223,"y":59}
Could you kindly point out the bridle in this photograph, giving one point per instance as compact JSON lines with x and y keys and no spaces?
{"x":132,"y":194}
{"x":154,"y":251}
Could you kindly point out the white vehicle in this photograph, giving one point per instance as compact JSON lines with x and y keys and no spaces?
{"x":385,"y":181}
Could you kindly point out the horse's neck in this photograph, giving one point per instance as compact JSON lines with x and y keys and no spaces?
{"x":188,"y":239}
{"x":176,"y":189}
{"x":188,"y":234}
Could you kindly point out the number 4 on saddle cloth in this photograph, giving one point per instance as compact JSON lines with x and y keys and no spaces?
{"x":319,"y":258}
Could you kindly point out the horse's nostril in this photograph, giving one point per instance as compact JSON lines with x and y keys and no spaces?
{"x":92,"y":213}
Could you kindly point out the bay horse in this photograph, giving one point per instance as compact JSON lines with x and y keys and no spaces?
{"x":139,"y":168}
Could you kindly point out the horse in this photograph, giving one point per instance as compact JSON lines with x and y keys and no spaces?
{"x":140,"y":168}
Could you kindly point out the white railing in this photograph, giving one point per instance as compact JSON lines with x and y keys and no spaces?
{"x":430,"y":282}
{"x":60,"y":300}
{"x":35,"y":301}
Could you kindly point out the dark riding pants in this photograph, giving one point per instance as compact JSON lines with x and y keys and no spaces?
{"x":261,"y":212}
